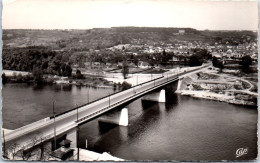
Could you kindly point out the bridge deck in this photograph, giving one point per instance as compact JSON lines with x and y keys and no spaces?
{"x":44,"y":128}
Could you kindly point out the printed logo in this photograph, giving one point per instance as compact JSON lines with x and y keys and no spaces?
{"x":241,"y":152}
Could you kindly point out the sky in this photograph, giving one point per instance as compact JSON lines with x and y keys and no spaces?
{"x":87,"y":14}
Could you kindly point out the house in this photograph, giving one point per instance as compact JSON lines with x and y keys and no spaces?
{"x":75,"y":66}
{"x":87,"y":64}
{"x":96,"y":65}
{"x":131,"y":64}
{"x":217,"y":55}
{"x":143,"y":64}
{"x":120,"y":64}
{"x":229,"y":51}
{"x":109,"y":64}
{"x":254,"y":56}
{"x":181,"y":32}
{"x":226,"y":56}
{"x":236,"y":55}
{"x":175,"y":58}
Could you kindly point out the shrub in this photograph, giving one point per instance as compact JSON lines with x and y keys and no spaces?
{"x":125,"y":85}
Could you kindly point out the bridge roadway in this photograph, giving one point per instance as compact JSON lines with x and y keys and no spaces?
{"x":44,"y":129}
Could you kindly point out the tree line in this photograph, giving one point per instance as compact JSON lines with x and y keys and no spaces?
{"x":38,"y":60}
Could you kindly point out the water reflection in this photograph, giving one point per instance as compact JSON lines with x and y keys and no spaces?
{"x":57,"y":87}
{"x":137,"y":129}
{"x":66,"y":87}
{"x":183,"y":128}
{"x":29,"y":104}
{"x":105,"y":127}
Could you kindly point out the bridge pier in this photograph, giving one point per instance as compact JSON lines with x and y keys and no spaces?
{"x":179,"y":84}
{"x":72,"y":136}
{"x":121,"y":119}
{"x":156,"y":96}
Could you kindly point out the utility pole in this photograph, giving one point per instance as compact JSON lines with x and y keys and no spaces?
{"x":88,"y":94}
{"x":77,"y":112}
{"x":4,"y":154}
{"x":109,"y":99}
{"x":78,"y":133}
{"x":54,"y":125}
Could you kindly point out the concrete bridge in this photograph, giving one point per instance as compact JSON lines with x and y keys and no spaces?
{"x":66,"y":123}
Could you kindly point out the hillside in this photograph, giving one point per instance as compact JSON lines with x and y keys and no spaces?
{"x":106,"y":37}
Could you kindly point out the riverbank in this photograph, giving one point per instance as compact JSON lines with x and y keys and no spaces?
{"x":210,"y":84}
{"x":87,"y":155}
{"x":11,"y":76}
{"x":11,"y":73}
{"x":216,"y":97}
{"x":103,"y":80}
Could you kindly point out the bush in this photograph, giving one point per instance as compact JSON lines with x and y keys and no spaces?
{"x":246,"y":61}
{"x":79,"y":75}
{"x":125,"y":70}
{"x":217,"y":63}
{"x":125,"y":86}
{"x":195,"y":60}
{"x":37,"y":76}
{"x":19,"y":78}
{"x":4,"y":78}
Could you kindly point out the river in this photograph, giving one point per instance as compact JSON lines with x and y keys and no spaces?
{"x":183,"y":128}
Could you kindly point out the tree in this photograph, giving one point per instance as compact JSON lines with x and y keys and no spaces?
{"x":195,"y":60}
{"x":217,"y":63}
{"x":4,"y":78}
{"x":246,"y":61}
{"x":66,"y":70}
{"x":78,"y":74}
{"x":19,"y":78}
{"x":126,"y":86}
{"x":13,"y":151}
{"x":125,"y":69}
{"x":37,"y":76}
{"x":38,"y":149}
{"x":204,"y":53}
{"x":164,"y":52}
{"x":165,"y":56}
{"x":14,"y":75}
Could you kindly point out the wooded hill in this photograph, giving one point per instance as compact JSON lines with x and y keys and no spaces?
{"x":99,"y":38}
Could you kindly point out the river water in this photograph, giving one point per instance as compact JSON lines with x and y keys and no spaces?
{"x":24,"y":104}
{"x":183,"y":128}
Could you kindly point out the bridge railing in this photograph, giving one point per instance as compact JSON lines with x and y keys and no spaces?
{"x":131,"y":95}
{"x":27,"y":126}
{"x":170,"y":75}
{"x":157,"y":83}
{"x":103,"y":98}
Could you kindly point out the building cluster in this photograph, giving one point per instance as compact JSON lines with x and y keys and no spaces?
{"x":235,"y":52}
{"x":180,"y":51}
{"x":186,"y":49}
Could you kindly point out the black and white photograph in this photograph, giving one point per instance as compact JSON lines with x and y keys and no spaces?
{"x":129,"y":80}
